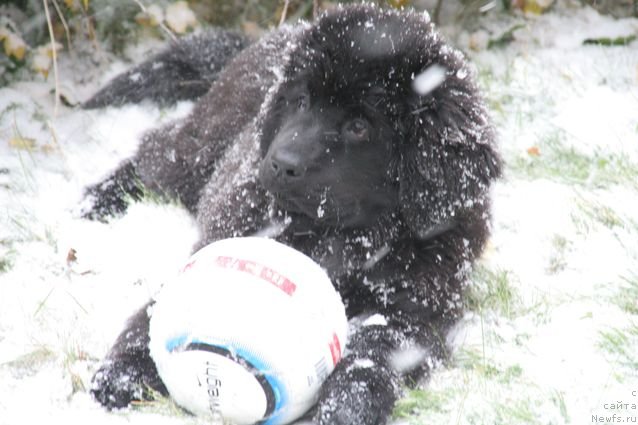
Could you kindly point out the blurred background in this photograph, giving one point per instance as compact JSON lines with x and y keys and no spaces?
{"x":31,"y":29}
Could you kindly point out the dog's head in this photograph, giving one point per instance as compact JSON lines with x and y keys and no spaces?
{"x":350,"y":134}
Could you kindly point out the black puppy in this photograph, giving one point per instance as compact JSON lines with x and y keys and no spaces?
{"x":315,"y":136}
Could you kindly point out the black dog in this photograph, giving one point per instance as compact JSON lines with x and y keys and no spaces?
{"x":315,"y":136}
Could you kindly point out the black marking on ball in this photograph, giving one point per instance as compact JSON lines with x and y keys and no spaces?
{"x":259,"y":375}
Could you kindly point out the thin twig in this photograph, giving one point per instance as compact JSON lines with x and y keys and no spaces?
{"x":86,"y":22}
{"x":55,"y":145}
{"x":64,"y":24}
{"x":284,"y":12}
{"x":315,"y":8}
{"x":164,"y":28}
{"x":54,"y":56}
{"x":44,"y":301}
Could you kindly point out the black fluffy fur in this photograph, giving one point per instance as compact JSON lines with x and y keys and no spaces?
{"x":183,"y":71}
{"x":337,"y":156}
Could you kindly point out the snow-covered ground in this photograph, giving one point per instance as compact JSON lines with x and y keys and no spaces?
{"x":552,"y":332}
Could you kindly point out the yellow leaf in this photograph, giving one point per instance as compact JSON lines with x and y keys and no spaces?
{"x":41,"y":60}
{"x":399,"y":4}
{"x":50,"y":47}
{"x":14,"y":45}
{"x":536,"y":7}
{"x":72,"y":5}
{"x":24,"y":143}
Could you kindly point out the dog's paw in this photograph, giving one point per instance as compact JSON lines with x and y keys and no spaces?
{"x":115,"y":387}
{"x":358,"y":393}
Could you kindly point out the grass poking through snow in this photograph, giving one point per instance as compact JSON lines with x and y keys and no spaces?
{"x":556,"y":161}
{"x":621,"y":345}
{"x":627,"y":296}
{"x":492,"y":291}
{"x":476,"y":372}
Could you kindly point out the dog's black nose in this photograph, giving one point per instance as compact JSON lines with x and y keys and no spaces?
{"x":287,"y":165}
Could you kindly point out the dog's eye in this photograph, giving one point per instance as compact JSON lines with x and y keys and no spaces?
{"x":356,"y":131}
{"x":303,"y":101}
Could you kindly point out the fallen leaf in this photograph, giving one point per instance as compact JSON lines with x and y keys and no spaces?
{"x":71,"y":256}
{"x":533,"y":151}
{"x":13,"y":44}
{"x":24,"y":143}
{"x":537,"y":7}
{"x":41,"y":60}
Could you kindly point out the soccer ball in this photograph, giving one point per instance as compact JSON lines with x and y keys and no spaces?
{"x":247,"y":332}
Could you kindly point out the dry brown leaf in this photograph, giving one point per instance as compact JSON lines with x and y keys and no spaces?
{"x":533,"y":151}
{"x":71,"y":257}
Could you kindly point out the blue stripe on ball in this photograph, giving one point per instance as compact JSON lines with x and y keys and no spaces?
{"x":274,"y":388}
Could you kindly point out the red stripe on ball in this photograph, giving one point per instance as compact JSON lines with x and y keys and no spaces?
{"x":258,"y":270}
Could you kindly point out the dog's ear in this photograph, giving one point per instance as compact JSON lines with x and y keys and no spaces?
{"x":448,"y":159}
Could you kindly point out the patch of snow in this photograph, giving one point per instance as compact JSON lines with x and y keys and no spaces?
{"x":363,"y":363}
{"x":595,"y":121}
{"x":408,"y":359}
{"x":58,"y":316}
{"x":375,"y":320}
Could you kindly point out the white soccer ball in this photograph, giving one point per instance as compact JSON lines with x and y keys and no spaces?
{"x":247,"y":332}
